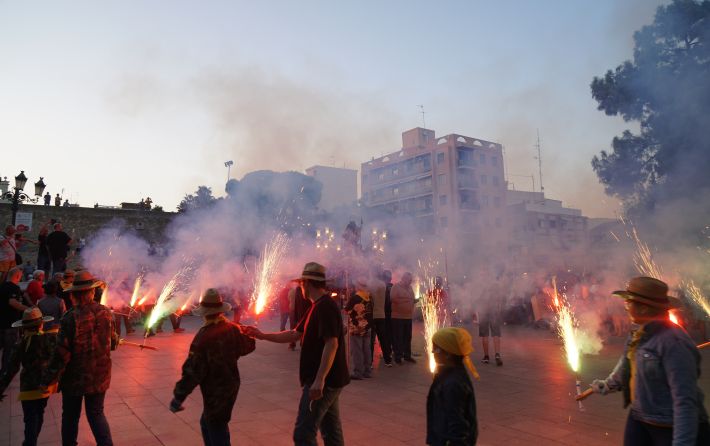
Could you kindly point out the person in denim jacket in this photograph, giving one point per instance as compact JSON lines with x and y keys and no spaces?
{"x":657,"y":373}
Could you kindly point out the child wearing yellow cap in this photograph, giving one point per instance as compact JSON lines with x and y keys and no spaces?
{"x":451,"y":403}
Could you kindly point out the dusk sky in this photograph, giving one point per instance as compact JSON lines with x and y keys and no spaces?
{"x":118,"y":100}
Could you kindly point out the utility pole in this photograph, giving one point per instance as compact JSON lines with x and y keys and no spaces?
{"x":228,"y":165}
{"x":539,"y":160}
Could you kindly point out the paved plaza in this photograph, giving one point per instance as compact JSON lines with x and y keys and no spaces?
{"x":527,"y":401}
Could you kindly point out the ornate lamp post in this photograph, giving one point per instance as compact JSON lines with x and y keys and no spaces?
{"x":20,"y":196}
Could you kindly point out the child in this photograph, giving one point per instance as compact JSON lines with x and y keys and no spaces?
{"x":451,"y":403}
{"x":359,"y":309}
{"x":33,"y":352}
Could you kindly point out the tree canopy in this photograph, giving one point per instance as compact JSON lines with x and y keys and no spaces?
{"x":202,"y":198}
{"x":666,"y":90}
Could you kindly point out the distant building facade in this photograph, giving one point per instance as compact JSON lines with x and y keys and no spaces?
{"x":450,"y":184}
{"x":339,"y":186}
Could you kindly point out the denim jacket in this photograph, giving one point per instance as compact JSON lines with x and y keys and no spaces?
{"x":666,"y":393}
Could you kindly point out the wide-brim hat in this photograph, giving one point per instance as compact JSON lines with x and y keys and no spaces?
{"x":31,"y":317}
{"x":312,"y":271}
{"x":83,"y":280}
{"x":648,"y":291}
{"x":211,"y":303}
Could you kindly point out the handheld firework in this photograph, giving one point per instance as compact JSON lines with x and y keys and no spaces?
{"x":567,"y":332}
{"x":266,"y":271}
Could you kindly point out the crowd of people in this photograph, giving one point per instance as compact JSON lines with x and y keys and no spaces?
{"x":60,"y":337}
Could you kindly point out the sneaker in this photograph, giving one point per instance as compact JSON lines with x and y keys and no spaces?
{"x":388,"y":364}
{"x":486,"y":359}
{"x":499,"y":362}
{"x":412,"y":360}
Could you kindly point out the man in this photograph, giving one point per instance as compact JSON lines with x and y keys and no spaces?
{"x":299,"y":307}
{"x":402,"y":296}
{"x":657,"y":373}
{"x":212,"y":363}
{"x":359,"y":309}
{"x":491,"y":315}
{"x":57,"y":200}
{"x":378,"y":292}
{"x":32,"y":352}
{"x":11,"y":309}
{"x":82,"y":361}
{"x":8,"y":251}
{"x":387,"y":278}
{"x":323,"y":365}
{"x":65,"y":280}
{"x":52,"y":305}
{"x":58,"y":243}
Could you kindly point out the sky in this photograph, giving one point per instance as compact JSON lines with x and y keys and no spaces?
{"x":114,"y":101}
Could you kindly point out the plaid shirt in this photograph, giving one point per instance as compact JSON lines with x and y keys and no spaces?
{"x":82,"y":360}
{"x":32,"y":351}
{"x":212,"y":364}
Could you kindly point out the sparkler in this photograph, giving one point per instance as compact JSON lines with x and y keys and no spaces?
{"x":266,"y":271}
{"x":567,"y":332}
{"x":432,"y":316}
{"x":104,"y":296}
{"x":136,"y":288}
{"x":643,"y":258}
{"x":696,"y":296}
{"x":673,"y":317}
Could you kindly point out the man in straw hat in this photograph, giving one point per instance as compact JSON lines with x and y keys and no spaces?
{"x":323,"y":367}
{"x":32,"y":352}
{"x":658,"y":373}
{"x":11,"y":308}
{"x":212,"y":364}
{"x":82,"y":361}
{"x":451,"y":403}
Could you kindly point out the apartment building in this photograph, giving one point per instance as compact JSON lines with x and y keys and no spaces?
{"x":449,"y":184}
{"x":339,"y":186}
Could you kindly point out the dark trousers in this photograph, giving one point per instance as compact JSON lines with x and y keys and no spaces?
{"x":323,"y":415}
{"x":214,"y":434}
{"x":71,"y":411}
{"x":638,"y":433}
{"x":8,"y":338}
{"x":402,"y":338}
{"x":284,"y":318}
{"x":59,"y":266}
{"x":33,"y":416}
{"x":45,"y":264}
{"x":380,"y":331}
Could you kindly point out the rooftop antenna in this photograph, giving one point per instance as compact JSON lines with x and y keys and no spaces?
{"x":421,"y":107}
{"x":539,"y":160}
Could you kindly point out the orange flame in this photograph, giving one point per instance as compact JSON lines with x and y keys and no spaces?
{"x":673,"y":317}
{"x":104,"y":296}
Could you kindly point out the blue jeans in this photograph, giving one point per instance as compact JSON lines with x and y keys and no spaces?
{"x":33,"y":416}
{"x":71,"y":411}
{"x":323,"y":415}
{"x":8,"y":338}
{"x":638,"y":433}
{"x":214,"y":434}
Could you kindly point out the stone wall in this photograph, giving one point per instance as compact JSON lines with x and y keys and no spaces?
{"x":81,"y":222}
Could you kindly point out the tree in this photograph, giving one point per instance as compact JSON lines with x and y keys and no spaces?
{"x":666,"y":90}
{"x":202,"y":198}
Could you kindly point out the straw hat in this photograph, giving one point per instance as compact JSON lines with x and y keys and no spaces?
{"x":211,"y":303}
{"x":648,"y":291}
{"x":31,"y":317}
{"x":312,"y":271}
{"x":84,"y":280}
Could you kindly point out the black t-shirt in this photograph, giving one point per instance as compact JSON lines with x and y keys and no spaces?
{"x":43,"y":245}
{"x":58,"y":244}
{"x":8,"y":315}
{"x":323,"y":321}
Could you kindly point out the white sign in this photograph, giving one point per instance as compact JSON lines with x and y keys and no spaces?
{"x":24,"y":218}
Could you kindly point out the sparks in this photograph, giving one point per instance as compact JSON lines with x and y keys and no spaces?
{"x":696,"y":296}
{"x":644,"y":259}
{"x":432,"y":315}
{"x":157,"y":312}
{"x":266,"y":271}
{"x":136,"y":288}
{"x":104,"y":296}
{"x":142,"y":300}
{"x":566,"y":330}
{"x":673,"y":317}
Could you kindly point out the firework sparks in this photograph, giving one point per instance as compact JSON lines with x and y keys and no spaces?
{"x":104,"y":296}
{"x":165,"y":295}
{"x":643,"y":258}
{"x":266,"y":271}
{"x":673,"y":317}
{"x":568,"y":333}
{"x":136,"y":288}
{"x":696,"y":296}
{"x":432,"y":315}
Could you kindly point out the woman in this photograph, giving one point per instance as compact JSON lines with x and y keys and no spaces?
{"x":657,"y":373}
{"x":451,"y":403}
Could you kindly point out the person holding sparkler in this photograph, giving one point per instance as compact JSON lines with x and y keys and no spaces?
{"x":323,"y":365}
{"x":82,"y":361}
{"x":658,"y":373}
{"x":212,"y":363}
{"x":451,"y":403}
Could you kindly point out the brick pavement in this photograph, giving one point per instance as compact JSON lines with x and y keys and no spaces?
{"x":527,"y":401}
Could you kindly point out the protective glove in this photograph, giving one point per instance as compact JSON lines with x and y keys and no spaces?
{"x":600,"y":386}
{"x":176,"y":405}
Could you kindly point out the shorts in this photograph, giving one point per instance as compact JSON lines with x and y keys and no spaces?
{"x":489,"y":324}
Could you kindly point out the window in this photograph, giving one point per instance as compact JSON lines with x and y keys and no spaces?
{"x":495,"y":181}
{"x":444,"y":221}
{"x":442,"y":200}
{"x":441,"y":179}
{"x":496,"y":202}
{"x":381,"y":176}
{"x":395,"y":171}
{"x":440,"y":158}
{"x":395,"y":191}
{"x":494,"y":160}
{"x":465,"y":157}
{"x":482,"y":158}
{"x":484,"y":200}
{"x":484,"y":179}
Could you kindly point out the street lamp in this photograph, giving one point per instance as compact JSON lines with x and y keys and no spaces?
{"x":20,"y":196}
{"x":228,"y":165}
